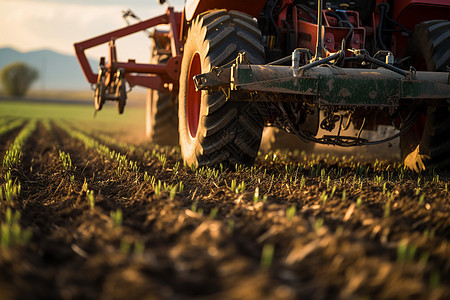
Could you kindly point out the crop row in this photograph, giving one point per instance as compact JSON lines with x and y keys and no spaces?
{"x":8,"y":126}
{"x":11,"y":233}
{"x":278,"y":170}
{"x":14,"y":154}
{"x":275,"y":176}
{"x":124,"y":164}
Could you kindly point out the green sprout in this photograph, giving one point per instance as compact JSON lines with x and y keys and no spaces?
{"x":116,"y":217}
{"x":230,"y":225}
{"x":387,"y":208}
{"x":256,"y":197}
{"x":213,"y":213}
{"x":290,"y":213}
{"x":358,"y":202}
{"x":139,"y":248}
{"x":91,"y":199}
{"x":11,"y":233}
{"x":267,"y":254}
{"x":318,"y":224}
{"x":65,"y":159}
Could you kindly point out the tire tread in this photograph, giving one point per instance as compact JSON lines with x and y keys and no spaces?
{"x":231,"y":131}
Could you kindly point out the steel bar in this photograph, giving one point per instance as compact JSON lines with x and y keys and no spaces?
{"x":331,"y":85}
{"x":319,"y":44}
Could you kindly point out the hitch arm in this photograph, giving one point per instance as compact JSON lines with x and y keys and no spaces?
{"x":172,"y":18}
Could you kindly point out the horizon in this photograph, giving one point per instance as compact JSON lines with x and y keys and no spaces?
{"x":57,"y":71}
{"x":42,"y":50}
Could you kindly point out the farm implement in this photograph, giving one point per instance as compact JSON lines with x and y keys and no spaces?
{"x":225,"y":70}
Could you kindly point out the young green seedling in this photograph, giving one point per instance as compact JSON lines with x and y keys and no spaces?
{"x":434,"y":281}
{"x":358,"y":202}
{"x":213,"y":213}
{"x":290,"y":213}
{"x":256,"y":197}
{"x":173,"y":192}
{"x":267,"y":254}
{"x":116,"y":217}
{"x":11,"y":233}
{"x":318,"y":224}
{"x":139,"y":248}
{"x":125,"y":246}
{"x":91,"y":199}
{"x":324,"y":198}
{"x":65,"y":159}
{"x":387,"y":208}
{"x":230,"y":226}
{"x":421,"y":199}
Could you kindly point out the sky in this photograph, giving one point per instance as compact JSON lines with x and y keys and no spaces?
{"x":29,"y":25}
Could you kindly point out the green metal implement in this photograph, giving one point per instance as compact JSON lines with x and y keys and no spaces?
{"x":328,"y":84}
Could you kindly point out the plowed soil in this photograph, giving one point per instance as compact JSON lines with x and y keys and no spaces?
{"x":304,"y":226}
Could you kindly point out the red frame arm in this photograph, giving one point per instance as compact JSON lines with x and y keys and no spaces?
{"x":172,"y":18}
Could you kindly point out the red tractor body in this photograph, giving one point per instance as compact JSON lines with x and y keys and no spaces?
{"x":343,"y":62}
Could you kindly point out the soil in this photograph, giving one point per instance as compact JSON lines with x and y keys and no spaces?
{"x":320,"y":227}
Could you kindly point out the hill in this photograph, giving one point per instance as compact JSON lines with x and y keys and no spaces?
{"x":56,"y":71}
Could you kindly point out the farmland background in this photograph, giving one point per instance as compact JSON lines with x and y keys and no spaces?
{"x":78,"y":107}
{"x":90,"y":210}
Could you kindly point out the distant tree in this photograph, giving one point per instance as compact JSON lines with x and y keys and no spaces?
{"x":17,"y":78}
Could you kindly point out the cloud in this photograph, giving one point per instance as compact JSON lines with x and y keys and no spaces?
{"x":57,"y":25}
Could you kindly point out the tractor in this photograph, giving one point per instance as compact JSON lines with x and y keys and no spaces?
{"x":222,"y":71}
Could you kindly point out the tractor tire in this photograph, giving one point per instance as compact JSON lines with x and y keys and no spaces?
{"x":427,"y":144}
{"x":161,"y":118}
{"x":277,"y":139}
{"x":212,"y":129}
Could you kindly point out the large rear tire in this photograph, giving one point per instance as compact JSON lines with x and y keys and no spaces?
{"x":161,"y":110}
{"x":427,"y":143}
{"x":212,"y":129}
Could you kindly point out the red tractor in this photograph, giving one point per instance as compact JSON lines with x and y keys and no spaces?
{"x":226,"y":69}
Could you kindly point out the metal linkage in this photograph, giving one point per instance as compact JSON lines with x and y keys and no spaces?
{"x":341,"y":140}
{"x":338,"y":55}
{"x":363,"y":56}
{"x":110,"y":88}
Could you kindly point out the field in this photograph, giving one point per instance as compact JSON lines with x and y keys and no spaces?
{"x":90,"y":211}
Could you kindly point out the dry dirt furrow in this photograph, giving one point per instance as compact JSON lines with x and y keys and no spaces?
{"x":80,"y":248}
{"x":320,"y":228}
